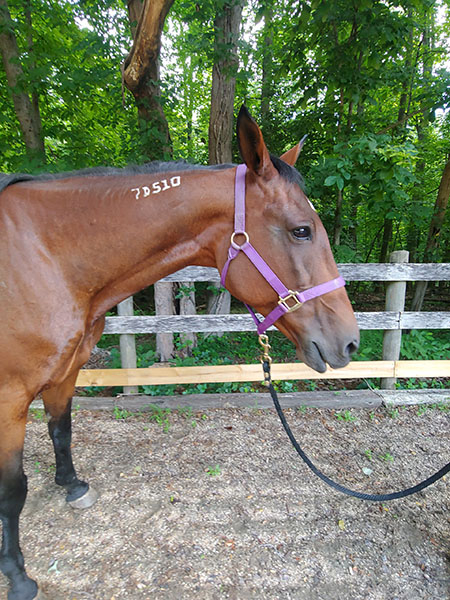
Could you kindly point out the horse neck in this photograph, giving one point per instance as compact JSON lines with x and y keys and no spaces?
{"x":141,"y":237}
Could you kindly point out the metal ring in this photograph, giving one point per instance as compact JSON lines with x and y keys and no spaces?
{"x":233,"y":243}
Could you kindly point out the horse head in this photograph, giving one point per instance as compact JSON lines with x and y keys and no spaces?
{"x":288,"y":235}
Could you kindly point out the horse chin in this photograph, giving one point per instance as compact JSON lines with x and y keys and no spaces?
{"x":312,"y":357}
{"x":317,"y":357}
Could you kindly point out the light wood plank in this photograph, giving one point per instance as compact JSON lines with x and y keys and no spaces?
{"x":227,"y":373}
{"x":422,"y":368}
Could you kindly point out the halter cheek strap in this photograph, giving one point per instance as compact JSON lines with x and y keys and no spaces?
{"x":288,"y":300}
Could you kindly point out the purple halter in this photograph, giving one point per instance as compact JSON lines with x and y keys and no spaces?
{"x":288,"y":300}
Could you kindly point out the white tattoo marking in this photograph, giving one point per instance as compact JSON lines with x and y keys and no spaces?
{"x":311,"y":205}
{"x":157,"y":186}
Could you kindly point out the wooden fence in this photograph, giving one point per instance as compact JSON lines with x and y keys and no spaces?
{"x":393,"y":319}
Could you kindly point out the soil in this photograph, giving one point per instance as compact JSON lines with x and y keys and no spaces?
{"x":217,"y":505}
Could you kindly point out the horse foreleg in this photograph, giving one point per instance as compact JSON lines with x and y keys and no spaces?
{"x":13,"y":491}
{"x":58,"y":405}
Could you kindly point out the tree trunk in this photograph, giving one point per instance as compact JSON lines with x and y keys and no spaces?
{"x":226,"y":27}
{"x":25,"y":102}
{"x":141,"y":74}
{"x":267,"y":65}
{"x":387,"y":236}
{"x":437,"y":220}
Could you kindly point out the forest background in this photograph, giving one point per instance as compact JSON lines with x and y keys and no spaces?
{"x":367,"y":80}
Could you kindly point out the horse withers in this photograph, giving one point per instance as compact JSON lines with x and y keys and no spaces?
{"x":74,"y":245}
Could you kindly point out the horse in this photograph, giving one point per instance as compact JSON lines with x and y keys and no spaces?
{"x":73,"y":245}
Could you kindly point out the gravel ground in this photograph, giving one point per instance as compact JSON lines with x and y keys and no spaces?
{"x":216,"y":505}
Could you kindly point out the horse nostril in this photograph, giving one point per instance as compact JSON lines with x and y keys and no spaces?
{"x":352,"y":347}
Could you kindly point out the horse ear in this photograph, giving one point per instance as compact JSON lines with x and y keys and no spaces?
{"x":290,"y":157}
{"x":252,"y":147}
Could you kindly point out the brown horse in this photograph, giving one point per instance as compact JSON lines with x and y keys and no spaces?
{"x":74,"y":245}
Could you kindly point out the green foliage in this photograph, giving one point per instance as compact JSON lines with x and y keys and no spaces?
{"x":425,"y":345}
{"x":341,"y":72}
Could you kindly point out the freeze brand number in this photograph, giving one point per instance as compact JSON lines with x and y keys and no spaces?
{"x":157,"y":186}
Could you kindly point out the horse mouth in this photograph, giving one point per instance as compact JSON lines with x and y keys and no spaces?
{"x":314,"y":358}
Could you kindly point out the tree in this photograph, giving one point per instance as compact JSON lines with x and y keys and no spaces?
{"x":434,"y":231}
{"x":24,"y":97}
{"x":226,"y":33}
{"x":141,"y":73}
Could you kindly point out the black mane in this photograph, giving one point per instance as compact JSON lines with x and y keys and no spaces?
{"x":286,"y":171}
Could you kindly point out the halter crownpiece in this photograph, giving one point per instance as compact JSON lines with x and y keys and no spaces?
{"x":288,"y":300}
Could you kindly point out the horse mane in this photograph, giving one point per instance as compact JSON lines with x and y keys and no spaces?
{"x":286,"y":171}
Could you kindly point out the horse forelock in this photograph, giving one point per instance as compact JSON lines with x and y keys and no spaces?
{"x":287,"y":172}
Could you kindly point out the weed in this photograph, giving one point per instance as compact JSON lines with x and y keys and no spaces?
{"x":214,"y":471}
{"x":368,"y":454}
{"x":160,"y":416}
{"x":393,"y":412}
{"x":122,"y":413}
{"x":346,"y":416}
{"x":423,"y":408}
{"x":37,"y":413}
{"x":387,"y":456}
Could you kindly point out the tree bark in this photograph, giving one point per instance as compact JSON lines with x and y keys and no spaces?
{"x":267,"y":65}
{"x":25,"y":102}
{"x":387,"y":236}
{"x":437,"y":220}
{"x":226,"y":26}
{"x":141,"y":73}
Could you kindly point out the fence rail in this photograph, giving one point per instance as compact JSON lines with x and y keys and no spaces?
{"x":238,"y":322}
{"x":389,"y":320}
{"x":349,"y":271}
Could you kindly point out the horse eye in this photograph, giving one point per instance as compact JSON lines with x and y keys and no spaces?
{"x":302,"y":233}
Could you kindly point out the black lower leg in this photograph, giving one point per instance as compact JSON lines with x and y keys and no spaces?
{"x":13,"y":491}
{"x":60,"y":430}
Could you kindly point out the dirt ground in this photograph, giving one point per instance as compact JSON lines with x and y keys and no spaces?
{"x":216,"y":505}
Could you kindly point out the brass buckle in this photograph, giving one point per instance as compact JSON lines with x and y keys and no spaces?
{"x":284,"y":302}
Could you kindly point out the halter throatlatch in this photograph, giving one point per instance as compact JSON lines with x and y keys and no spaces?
{"x":288,"y":300}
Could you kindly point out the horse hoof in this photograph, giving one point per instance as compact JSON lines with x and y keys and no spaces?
{"x":86,"y":501}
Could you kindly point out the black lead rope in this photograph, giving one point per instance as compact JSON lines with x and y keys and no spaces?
{"x":337,"y":486}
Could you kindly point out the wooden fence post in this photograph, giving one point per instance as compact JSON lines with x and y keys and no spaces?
{"x":186,"y":290}
{"x":127,"y":343}
{"x":395,"y":301}
{"x":164,"y":306}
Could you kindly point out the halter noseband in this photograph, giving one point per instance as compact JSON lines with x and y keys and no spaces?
{"x":288,"y":300}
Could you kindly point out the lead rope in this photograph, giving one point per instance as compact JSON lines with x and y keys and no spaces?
{"x":266,"y":363}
